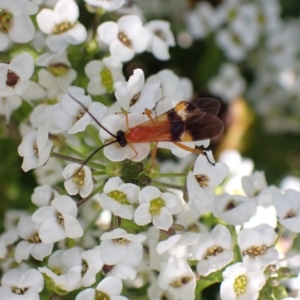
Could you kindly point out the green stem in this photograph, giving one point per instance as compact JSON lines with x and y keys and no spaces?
{"x":172,"y":174}
{"x":165,"y":184}
{"x":237,"y":252}
{"x":99,"y":173}
{"x":93,"y":132}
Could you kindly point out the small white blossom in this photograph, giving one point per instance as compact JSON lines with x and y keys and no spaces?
{"x":110,"y":5}
{"x":177,"y":277}
{"x":7,"y":239}
{"x":17,"y":284}
{"x":58,"y":221}
{"x":135,"y":95}
{"x":16,"y":24}
{"x":205,"y":177}
{"x":157,"y":207}
{"x":8,"y":105}
{"x":120,"y":246}
{"x":32,"y":245}
{"x":213,"y":250}
{"x":288,"y":209}
{"x":43,"y":195}
{"x":62,"y":26}
{"x":103,"y":74}
{"x":254,"y":184}
{"x":108,"y":288}
{"x":228,"y":84}
{"x":162,"y":38}
{"x":15,"y":75}
{"x":174,"y":86}
{"x":126,"y":37}
{"x":241,"y":282}
{"x":72,"y":116}
{"x":35,"y":148}
{"x":256,"y":244}
{"x":118,"y":197}
{"x":234,"y":209}
{"x":78,"y":182}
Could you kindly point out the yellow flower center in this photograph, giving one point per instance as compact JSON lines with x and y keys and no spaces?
{"x":135,"y":99}
{"x":5,"y":21}
{"x":107,"y":80}
{"x":19,"y":291}
{"x":62,"y":27}
{"x":256,"y":251}
{"x":121,"y":241}
{"x":202,"y":180}
{"x":58,"y":69}
{"x":34,"y":238}
{"x":119,"y":196}
{"x":239,"y":285}
{"x":124,"y":39}
{"x":101,"y":296}
{"x":214,"y":251}
{"x":156,"y":205}
{"x":78,"y":178}
{"x":180,"y":282}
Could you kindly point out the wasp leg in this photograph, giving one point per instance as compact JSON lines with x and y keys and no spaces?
{"x":187,"y":148}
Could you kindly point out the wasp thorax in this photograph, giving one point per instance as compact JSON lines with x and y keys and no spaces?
{"x":5,"y":21}
{"x":12,"y":79}
{"x":135,"y":99}
{"x":256,"y":251}
{"x":78,"y":178}
{"x":203,"y":180}
{"x":181,"y":281}
{"x":124,"y":39}
{"x":62,"y":27}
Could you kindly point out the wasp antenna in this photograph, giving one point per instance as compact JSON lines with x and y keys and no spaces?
{"x":92,"y":116}
{"x":91,"y":155}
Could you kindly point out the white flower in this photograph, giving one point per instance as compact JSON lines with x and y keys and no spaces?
{"x":126,"y":37}
{"x":58,"y":221}
{"x":7,"y":239}
{"x":177,"y":277}
{"x":256,"y":244}
{"x":213,"y":250}
{"x":131,"y":150}
{"x":78,"y":182}
{"x":72,"y":116}
{"x":118,"y":197}
{"x":61,"y":25}
{"x":8,"y":105}
{"x":110,"y":5}
{"x":228,"y":84}
{"x":120,"y":270}
{"x":16,"y":25}
{"x":288,"y":209}
{"x":15,"y":75}
{"x":173,"y":86}
{"x":108,"y":288}
{"x":234,"y":209}
{"x":135,"y":95}
{"x":205,"y":177}
{"x":17,"y":284}
{"x":43,"y":195}
{"x":161,"y":40}
{"x":202,"y":20}
{"x":32,"y":245}
{"x":120,"y":246}
{"x":157,"y":207}
{"x":240,"y":282}
{"x":50,"y":173}
{"x":35,"y":148}
{"x":103,"y":74}
{"x":254,"y":184}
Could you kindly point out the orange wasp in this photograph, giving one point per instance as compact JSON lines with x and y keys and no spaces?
{"x":188,"y":121}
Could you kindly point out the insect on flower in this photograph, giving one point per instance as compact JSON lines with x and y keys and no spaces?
{"x":187,"y":121}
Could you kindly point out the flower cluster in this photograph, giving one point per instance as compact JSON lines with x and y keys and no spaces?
{"x":106,"y":217}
